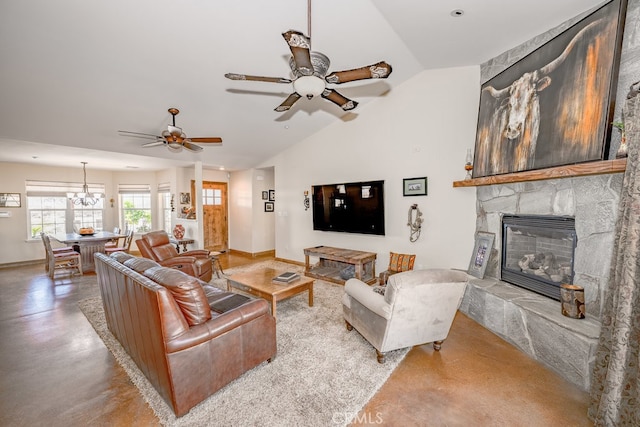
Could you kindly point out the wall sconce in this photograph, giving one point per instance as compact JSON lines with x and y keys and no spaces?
{"x":111,"y":201}
{"x":306,"y":200}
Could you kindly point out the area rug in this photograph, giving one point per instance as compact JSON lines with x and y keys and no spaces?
{"x":322,"y":374}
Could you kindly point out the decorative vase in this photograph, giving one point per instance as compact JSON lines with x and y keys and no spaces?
{"x":178,"y":231}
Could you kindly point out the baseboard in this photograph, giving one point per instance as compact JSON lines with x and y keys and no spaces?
{"x":290,"y":261}
{"x":253,"y":255}
{"x":22,"y":263}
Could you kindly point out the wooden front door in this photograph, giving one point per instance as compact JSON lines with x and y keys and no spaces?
{"x":214,"y":210}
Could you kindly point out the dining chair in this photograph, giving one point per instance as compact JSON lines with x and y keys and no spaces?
{"x":60,"y":258}
{"x":126,"y":245}
{"x":113,"y":243}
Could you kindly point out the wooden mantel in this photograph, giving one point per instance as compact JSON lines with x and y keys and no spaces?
{"x":568,"y":171}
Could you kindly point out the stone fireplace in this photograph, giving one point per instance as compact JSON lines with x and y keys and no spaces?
{"x":528,"y":320}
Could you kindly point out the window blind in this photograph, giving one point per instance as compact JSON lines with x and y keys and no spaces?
{"x":55,"y":188}
{"x":134,"y":188}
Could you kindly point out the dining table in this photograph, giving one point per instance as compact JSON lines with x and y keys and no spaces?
{"x":87,"y":244}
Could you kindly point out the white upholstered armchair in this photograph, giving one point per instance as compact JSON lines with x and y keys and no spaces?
{"x":417,"y":307}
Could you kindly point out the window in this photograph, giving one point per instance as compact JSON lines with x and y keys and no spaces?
{"x":50,"y":211}
{"x":165,"y":200}
{"x":88,"y":216}
{"x":211,"y":196}
{"x":135,"y":203}
{"x":47,"y":214}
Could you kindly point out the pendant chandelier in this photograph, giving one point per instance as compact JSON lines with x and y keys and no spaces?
{"x":85,"y":198}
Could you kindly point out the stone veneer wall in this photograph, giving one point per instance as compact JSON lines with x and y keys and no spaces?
{"x":591,"y":200}
{"x":531,"y":322}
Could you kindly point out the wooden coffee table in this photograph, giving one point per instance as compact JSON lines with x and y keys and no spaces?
{"x":260,"y":283}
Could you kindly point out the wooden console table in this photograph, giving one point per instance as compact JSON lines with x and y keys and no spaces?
{"x":183,"y":242}
{"x":333,"y":260}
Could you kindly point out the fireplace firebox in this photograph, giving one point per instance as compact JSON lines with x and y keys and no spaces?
{"x":538,"y":252}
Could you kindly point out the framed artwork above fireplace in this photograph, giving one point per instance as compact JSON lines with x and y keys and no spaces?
{"x":554,"y":106}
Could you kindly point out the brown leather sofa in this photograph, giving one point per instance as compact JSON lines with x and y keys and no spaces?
{"x":155,"y":245}
{"x":188,"y":338}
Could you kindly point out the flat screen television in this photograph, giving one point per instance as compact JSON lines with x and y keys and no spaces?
{"x":352,"y":207}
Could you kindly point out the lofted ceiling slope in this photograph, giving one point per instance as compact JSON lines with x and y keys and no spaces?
{"x":74,"y":72}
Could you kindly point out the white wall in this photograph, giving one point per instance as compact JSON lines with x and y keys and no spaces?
{"x":421,"y":128}
{"x":241,"y":210}
{"x":263,"y":224}
{"x":16,"y":246}
{"x":251,"y":229}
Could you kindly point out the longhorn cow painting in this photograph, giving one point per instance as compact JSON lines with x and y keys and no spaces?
{"x":555,"y":106}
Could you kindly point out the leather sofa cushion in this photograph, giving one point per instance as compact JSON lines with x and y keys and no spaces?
{"x":187,"y":292}
{"x":139,"y":265}
{"x":121,"y":257}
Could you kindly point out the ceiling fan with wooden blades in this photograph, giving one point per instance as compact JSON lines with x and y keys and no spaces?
{"x":173,"y":137}
{"x":310,"y":77}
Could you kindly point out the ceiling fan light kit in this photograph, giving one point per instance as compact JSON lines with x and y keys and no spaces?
{"x":173,"y":137}
{"x":310,"y":69}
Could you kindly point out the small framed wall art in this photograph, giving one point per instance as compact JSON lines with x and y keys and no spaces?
{"x":185,"y":198}
{"x":481,"y":253}
{"x":265,"y":195}
{"x":268,"y":206}
{"x":272,"y":195}
{"x":10,"y":200}
{"x":414,"y":186}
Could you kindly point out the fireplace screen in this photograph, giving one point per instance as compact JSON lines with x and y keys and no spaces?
{"x":538,"y":251}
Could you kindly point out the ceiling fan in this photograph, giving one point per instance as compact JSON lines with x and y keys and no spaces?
{"x":310,"y":68}
{"x":173,"y":137}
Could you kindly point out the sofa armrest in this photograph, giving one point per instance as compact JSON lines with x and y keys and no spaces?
{"x":384,"y":276}
{"x":198,"y":253}
{"x":218,"y":325}
{"x":365,"y":295}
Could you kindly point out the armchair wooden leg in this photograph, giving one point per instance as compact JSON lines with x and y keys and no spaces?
{"x":437,"y":345}
{"x":349,"y":327}
{"x":380,"y":356}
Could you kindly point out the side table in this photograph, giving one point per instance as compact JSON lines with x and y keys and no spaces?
{"x":183,"y":242}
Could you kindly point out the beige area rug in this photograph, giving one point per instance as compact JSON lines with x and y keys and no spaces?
{"x":322,"y":375}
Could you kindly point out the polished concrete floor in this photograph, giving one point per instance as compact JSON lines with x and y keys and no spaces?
{"x":55,"y":371}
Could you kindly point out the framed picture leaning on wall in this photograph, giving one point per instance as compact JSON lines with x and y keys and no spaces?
{"x":481,"y":254}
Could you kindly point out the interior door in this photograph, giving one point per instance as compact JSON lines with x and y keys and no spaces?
{"x":214,"y":210}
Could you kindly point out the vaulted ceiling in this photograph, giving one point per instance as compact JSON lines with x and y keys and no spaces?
{"x":73,"y":73}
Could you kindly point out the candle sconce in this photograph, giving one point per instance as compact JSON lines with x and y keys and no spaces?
{"x":306,"y":200}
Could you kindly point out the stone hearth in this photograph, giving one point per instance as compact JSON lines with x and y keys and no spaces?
{"x":532,"y":322}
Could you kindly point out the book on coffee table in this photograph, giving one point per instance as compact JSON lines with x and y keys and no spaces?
{"x":287,"y":277}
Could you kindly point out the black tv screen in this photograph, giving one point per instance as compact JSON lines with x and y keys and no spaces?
{"x":354,"y":207}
